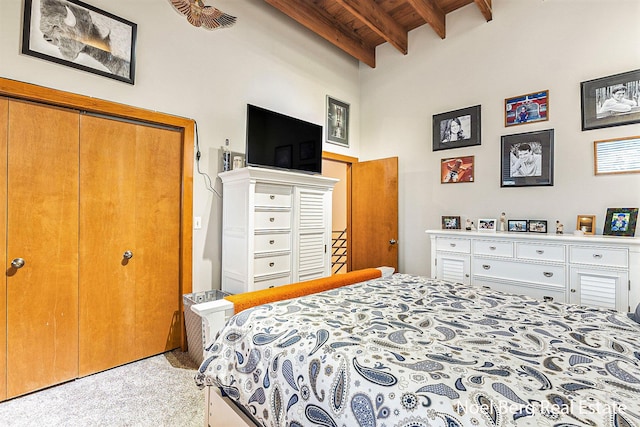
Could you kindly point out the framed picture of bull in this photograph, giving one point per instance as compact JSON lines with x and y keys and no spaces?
{"x":73,"y":33}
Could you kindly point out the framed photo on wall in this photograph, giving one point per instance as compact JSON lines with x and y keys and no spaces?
{"x":455,"y":129}
{"x":616,"y":156}
{"x":456,"y":169}
{"x":620,"y":222}
{"x":529,"y":108}
{"x":611,"y":101}
{"x":86,"y":38}
{"x":527,"y":159}
{"x":337,"y":122}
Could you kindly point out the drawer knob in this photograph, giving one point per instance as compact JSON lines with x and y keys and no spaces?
{"x":272,"y":219}
{"x":539,"y":251}
{"x":453,"y":245}
{"x":598,"y":256}
{"x":271,"y":264}
{"x":486,"y":266}
{"x":493,"y":248}
{"x":271,"y":242}
{"x":573,"y":291}
{"x":547,"y":298}
{"x":271,"y":196}
{"x":548,"y":274}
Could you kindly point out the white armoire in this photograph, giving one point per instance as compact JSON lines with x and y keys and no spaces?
{"x":276,"y":228}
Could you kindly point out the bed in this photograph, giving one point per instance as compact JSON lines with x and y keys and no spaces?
{"x":411,"y":351}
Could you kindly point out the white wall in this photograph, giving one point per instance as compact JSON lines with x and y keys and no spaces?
{"x":530,"y":46}
{"x":265,"y":59}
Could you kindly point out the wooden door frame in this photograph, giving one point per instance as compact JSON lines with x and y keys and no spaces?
{"x":31,"y":92}
{"x":348,"y":161}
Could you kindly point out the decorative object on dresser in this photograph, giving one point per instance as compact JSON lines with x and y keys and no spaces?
{"x":586,"y":224}
{"x":559,"y":227}
{"x":620,"y":222}
{"x":456,"y":169}
{"x":615,"y":156}
{"x":451,"y":222}
{"x":537,"y":225}
{"x":455,"y":129}
{"x":81,"y":36}
{"x":588,"y":270}
{"x":276,"y":228}
{"x":517,"y":225}
{"x":529,"y":108}
{"x":527,"y":159}
{"x":610,"y":101}
{"x":337,"y":122}
{"x":486,"y":224}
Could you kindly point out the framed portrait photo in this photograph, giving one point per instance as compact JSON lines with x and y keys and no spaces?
{"x":456,"y":169}
{"x":517,"y":225}
{"x":81,"y":36}
{"x":337,"y":122}
{"x":455,"y":129}
{"x":529,"y":108}
{"x":451,"y":223}
{"x":611,"y":101}
{"x":487,"y":224}
{"x":527,"y":159}
{"x":620,"y":222}
{"x":537,"y":225}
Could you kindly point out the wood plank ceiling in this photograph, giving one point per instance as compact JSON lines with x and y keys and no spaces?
{"x":358,"y":26}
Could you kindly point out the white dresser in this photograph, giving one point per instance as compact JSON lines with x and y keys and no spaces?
{"x":601,"y":271}
{"x":276,"y":228}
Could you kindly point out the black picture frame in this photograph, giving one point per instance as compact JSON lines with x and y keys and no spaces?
{"x":468,"y":123}
{"x":109,"y":49}
{"x":518,"y":225}
{"x":537,"y":226}
{"x":337,"y":121}
{"x":620,"y":222}
{"x":602,"y":108}
{"x":527,"y":159}
{"x":451,"y":222}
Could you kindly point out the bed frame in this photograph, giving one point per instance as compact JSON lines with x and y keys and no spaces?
{"x":222,"y":411}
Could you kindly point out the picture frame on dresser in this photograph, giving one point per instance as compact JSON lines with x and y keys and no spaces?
{"x":527,"y":159}
{"x":620,"y":222}
{"x":455,"y":129}
{"x":586,"y":224}
{"x":451,"y":223}
{"x":609,"y":101}
{"x":487,"y":224}
{"x":517,"y":225}
{"x":537,"y":226}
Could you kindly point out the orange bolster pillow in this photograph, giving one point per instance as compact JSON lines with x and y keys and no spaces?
{"x":294,"y":290}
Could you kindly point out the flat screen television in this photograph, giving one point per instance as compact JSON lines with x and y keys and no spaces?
{"x":275,"y":140}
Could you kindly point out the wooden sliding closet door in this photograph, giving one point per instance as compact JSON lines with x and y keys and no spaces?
{"x":4,"y":121}
{"x":42,"y":243}
{"x":130,"y":198}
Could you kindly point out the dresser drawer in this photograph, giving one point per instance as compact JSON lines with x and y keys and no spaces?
{"x":608,"y":257}
{"x":269,"y":265}
{"x":272,"y":242}
{"x":493,"y":248}
{"x":275,"y":196}
{"x":541,"y":252}
{"x":541,"y":294}
{"x":269,"y":220}
{"x":453,"y":245}
{"x":553,"y":275}
{"x":271,"y":283}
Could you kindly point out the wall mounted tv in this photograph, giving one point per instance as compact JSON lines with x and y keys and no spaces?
{"x":278,"y":141}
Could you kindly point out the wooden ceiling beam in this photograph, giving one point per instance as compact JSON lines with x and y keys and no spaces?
{"x":485,"y":8}
{"x":373,"y":16}
{"x":432,"y":14}
{"x":318,"y":21}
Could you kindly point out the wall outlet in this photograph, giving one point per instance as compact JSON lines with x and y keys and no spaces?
{"x":197,"y":223}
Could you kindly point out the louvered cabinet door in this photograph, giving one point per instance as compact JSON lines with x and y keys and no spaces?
{"x":606,"y":288}
{"x":312,"y":228}
{"x":4,"y":124}
{"x":42,"y":247}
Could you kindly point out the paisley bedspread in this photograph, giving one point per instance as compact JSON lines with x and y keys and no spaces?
{"x":411,"y":351}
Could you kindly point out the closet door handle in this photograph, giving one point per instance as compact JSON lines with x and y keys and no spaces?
{"x":17,"y":263}
{"x":127,"y":255}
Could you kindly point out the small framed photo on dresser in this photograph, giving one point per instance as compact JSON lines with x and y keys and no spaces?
{"x":537,"y":226}
{"x":451,"y":223}
{"x":517,"y":225}
{"x":487,"y":224}
{"x":620,"y":222}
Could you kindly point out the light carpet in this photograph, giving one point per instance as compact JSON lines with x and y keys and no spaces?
{"x":158,"y":391}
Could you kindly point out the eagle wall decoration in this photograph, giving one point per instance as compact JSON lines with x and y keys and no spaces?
{"x":200,"y":15}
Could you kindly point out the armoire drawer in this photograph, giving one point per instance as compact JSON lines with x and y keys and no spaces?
{"x":607,"y":257}
{"x":453,"y":245}
{"x":271,"y":220}
{"x":271,"y":283}
{"x":274,"y":264}
{"x":553,"y":275}
{"x":540,"y":252}
{"x":272,"y":242}
{"x":493,"y":248}
{"x":273,"y":196}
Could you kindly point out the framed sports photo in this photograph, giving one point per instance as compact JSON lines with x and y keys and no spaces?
{"x":517,"y":225}
{"x":620,"y":222}
{"x":611,"y":101}
{"x":527,"y":159}
{"x":456,"y":169}
{"x":529,"y":108}
{"x":455,"y":129}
